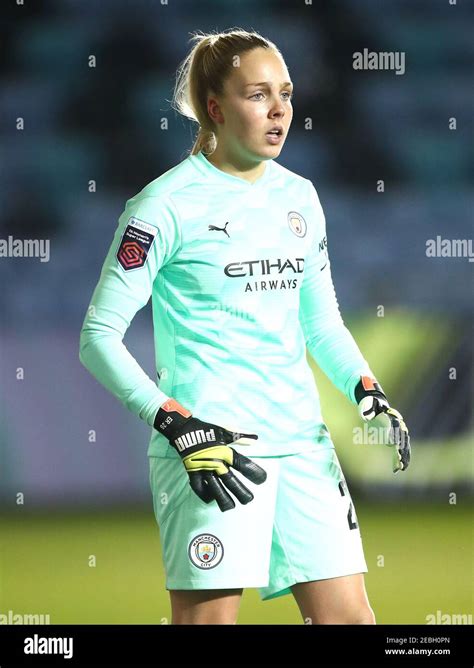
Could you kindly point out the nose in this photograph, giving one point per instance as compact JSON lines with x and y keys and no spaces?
{"x":277,"y":110}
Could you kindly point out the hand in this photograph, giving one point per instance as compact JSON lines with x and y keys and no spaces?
{"x":203,"y":447}
{"x":372,"y":404}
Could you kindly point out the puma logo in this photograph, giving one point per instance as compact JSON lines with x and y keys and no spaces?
{"x":195,"y":437}
{"x":221,"y":229}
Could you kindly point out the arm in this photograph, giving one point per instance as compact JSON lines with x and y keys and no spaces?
{"x":146,"y":238}
{"x":333,"y":348}
{"x":328,"y":340}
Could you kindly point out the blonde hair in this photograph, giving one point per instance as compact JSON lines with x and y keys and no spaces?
{"x":204,"y":70}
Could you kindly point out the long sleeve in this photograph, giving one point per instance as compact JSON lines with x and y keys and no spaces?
{"x":327,"y":338}
{"x":147,"y":237}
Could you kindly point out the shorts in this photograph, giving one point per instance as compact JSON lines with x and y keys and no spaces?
{"x":300,"y":526}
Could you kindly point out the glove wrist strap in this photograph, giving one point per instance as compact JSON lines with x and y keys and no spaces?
{"x":171,"y":418}
{"x":368,"y":387}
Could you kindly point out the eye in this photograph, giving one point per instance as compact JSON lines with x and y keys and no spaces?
{"x":290,"y":95}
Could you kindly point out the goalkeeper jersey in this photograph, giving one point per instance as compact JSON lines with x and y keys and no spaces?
{"x":240,"y":284}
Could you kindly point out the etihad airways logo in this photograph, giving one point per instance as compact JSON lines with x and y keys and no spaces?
{"x":264,"y":267}
{"x":277,"y":271}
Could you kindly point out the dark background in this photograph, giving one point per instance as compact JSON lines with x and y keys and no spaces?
{"x":104,"y":124}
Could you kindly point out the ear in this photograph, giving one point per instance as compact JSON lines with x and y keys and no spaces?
{"x":214,"y":110}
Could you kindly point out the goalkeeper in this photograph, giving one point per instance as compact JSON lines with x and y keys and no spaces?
{"x":232,"y":249}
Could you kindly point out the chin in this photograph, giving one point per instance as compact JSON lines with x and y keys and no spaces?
{"x":270,"y":151}
{"x":273,"y":151}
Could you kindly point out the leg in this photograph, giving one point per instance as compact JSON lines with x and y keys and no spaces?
{"x":211,"y":606}
{"x":341,"y":600}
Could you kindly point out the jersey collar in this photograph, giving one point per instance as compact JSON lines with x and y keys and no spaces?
{"x":211,"y":171}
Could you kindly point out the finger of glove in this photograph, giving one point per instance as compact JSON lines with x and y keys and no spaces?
{"x":208,"y":488}
{"x":401,"y":440}
{"x":223,"y":435}
{"x":397,"y":422}
{"x":239,"y":490}
{"x":248,"y":468}
{"x":238,"y":435}
{"x":199,"y":481}
{"x":396,"y":460}
{"x":232,"y":436}
{"x":401,"y":454}
{"x":405,"y":450}
{"x":396,"y":431}
{"x":219,"y":493}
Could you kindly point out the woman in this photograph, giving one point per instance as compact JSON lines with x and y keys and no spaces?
{"x":232,"y":248}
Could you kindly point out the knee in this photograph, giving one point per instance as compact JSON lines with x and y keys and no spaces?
{"x":362,"y":615}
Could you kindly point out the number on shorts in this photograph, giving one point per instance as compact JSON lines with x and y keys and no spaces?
{"x":351,"y":514}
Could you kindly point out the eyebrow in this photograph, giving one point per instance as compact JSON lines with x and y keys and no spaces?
{"x":267,"y":83}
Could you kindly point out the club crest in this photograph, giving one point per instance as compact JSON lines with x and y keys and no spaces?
{"x":206,"y":551}
{"x":297,"y":223}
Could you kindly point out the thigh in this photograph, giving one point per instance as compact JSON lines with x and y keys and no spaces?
{"x":316,"y":532}
{"x":314,"y":499}
{"x":216,"y":606}
{"x":204,"y":548}
{"x":341,"y":600}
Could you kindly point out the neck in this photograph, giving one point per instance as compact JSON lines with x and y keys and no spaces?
{"x":250,"y":171}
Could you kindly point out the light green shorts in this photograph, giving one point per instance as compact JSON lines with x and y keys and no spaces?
{"x":300,"y":526}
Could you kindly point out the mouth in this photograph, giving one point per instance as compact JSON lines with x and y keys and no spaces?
{"x":275,"y":135}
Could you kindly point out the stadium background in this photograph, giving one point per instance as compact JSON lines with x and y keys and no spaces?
{"x":105,"y":124}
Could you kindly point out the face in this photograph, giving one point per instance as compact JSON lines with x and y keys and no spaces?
{"x":257,"y":97}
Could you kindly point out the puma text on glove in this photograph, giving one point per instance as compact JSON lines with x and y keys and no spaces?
{"x":207,"y":457}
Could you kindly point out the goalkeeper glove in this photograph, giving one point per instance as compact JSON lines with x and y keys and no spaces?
{"x":373,"y":403}
{"x":203,"y":447}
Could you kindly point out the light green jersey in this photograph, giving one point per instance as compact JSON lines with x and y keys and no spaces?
{"x":240,"y":282}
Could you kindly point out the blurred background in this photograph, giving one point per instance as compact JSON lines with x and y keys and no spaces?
{"x":77,"y":141}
